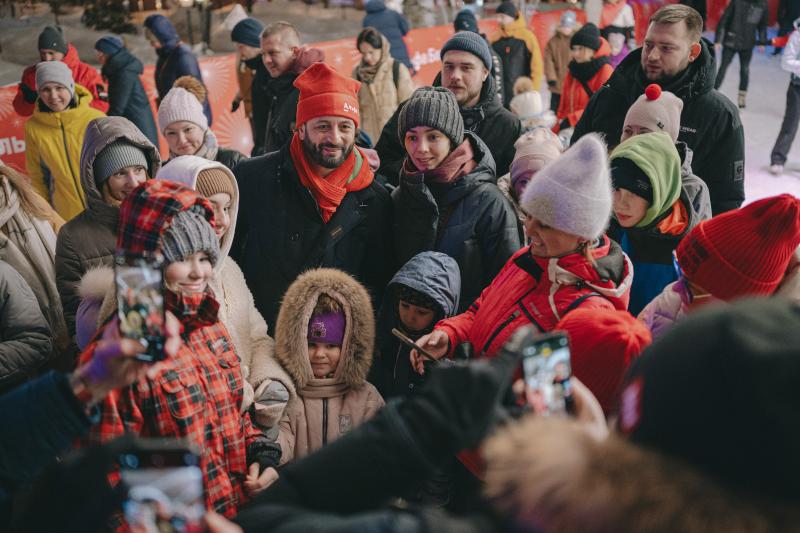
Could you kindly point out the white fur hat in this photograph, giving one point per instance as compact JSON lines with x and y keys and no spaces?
{"x":179,"y":104}
{"x":573,"y":193}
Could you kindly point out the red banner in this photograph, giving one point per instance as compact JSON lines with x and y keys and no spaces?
{"x":219,"y":75}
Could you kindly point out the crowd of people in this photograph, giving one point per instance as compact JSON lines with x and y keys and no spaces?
{"x":346,"y":309}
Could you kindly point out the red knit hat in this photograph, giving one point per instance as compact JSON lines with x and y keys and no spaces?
{"x":603,"y":343}
{"x":326,"y":93}
{"x":745,"y":251}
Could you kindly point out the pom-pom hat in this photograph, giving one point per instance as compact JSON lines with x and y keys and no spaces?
{"x":656,"y":110}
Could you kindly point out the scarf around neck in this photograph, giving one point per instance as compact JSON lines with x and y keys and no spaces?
{"x":586,"y":71}
{"x":366,"y":73}
{"x":457,"y":164}
{"x":329,"y":191}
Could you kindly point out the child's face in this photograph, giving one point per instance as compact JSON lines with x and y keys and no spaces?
{"x":414,"y":317}
{"x":324,"y":358}
{"x":629,"y":208}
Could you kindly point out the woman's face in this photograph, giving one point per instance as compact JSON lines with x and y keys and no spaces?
{"x":120,"y":184}
{"x":189,"y":276}
{"x":55,"y":96}
{"x":369,"y":54}
{"x":581,"y":54}
{"x":221,"y":202}
{"x":426,"y":147}
{"x":184,"y":137}
{"x":547,"y":241}
{"x":629,"y":208}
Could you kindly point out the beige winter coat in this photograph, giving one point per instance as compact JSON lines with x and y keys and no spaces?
{"x":378,"y":100}
{"x":304,"y":428}
{"x":550,"y":475}
{"x":556,"y":60}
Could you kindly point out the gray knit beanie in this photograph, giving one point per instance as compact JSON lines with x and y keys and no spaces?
{"x":188,"y":234}
{"x":54,"y":72}
{"x":467,"y":41}
{"x":116,"y":156}
{"x":434,"y":107}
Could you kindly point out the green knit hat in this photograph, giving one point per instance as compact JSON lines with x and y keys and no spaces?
{"x":655,"y":154}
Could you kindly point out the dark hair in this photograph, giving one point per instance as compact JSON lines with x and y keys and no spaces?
{"x":371,"y":36}
{"x":674,"y":13}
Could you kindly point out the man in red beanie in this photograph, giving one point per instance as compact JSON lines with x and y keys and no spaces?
{"x":750,"y":251}
{"x":314,"y":202}
{"x":603,"y":343}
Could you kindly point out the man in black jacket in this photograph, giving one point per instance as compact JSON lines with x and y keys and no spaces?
{"x":315,"y":202}
{"x":675,"y":57}
{"x":466,"y":64}
{"x":246,"y":35}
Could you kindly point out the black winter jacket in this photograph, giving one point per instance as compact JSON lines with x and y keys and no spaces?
{"x":743,"y":24}
{"x":392,"y":25}
{"x":230,"y":158}
{"x":516,"y":61}
{"x":25,"y":339}
{"x":480,"y":231}
{"x":433,"y":274}
{"x":172,"y":64}
{"x":281,"y":110}
{"x":710,"y":123}
{"x":260,"y":102}
{"x":498,"y":127}
{"x":280,"y":233}
{"x":126,"y":95}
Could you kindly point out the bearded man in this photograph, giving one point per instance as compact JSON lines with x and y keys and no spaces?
{"x":675,"y":56}
{"x":315,"y":202}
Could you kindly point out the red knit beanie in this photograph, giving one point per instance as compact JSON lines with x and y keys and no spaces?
{"x":326,"y":93}
{"x":603,"y":343}
{"x":745,"y":251}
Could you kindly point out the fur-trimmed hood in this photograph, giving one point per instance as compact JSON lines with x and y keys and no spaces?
{"x":184,"y":170}
{"x":551,"y":475}
{"x":291,"y":348}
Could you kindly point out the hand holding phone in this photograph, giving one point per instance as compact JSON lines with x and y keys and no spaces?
{"x":435,"y":344}
{"x":140,"y":302}
{"x":547,"y":371}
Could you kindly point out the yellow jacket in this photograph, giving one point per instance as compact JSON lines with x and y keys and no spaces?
{"x":518,"y":30}
{"x":53,"y":144}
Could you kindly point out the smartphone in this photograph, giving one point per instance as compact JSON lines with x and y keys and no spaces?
{"x":140,"y":301}
{"x":411,"y":344}
{"x":546,"y":369}
{"x":165,"y":487}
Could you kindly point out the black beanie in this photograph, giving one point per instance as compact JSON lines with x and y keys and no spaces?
{"x":625,"y":174}
{"x":588,"y":36}
{"x":466,"y":21}
{"x":719,"y":391}
{"x":508,"y":8}
{"x":51,"y":38}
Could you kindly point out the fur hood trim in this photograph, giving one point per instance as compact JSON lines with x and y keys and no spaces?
{"x":551,"y":475}
{"x":291,"y":348}
{"x":95,"y":283}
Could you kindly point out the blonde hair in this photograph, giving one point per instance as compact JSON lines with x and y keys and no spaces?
{"x":194,"y":86}
{"x":326,"y":304}
{"x":30,"y":201}
{"x":523,"y":85}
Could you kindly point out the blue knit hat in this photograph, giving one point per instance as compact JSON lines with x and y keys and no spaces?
{"x":466,"y":21}
{"x":467,"y":41}
{"x":248,"y":32}
{"x":109,"y":45}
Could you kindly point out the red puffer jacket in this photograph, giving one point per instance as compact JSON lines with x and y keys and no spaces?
{"x":540,"y":291}
{"x":84,"y":75}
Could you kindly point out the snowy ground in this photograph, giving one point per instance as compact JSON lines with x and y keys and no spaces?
{"x":766,"y":100}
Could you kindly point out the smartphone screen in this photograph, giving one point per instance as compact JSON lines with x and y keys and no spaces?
{"x":165,"y":491}
{"x":546,"y":368}
{"x":140,"y":302}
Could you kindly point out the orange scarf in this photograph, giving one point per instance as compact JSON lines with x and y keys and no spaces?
{"x":353,"y":175}
{"x":676,"y":222}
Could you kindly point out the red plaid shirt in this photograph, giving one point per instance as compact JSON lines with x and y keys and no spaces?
{"x":196,"y":395}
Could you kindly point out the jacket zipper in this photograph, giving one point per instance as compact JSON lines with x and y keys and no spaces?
{"x":500,"y":328}
{"x":324,"y":421}
{"x":69,"y":164}
{"x":268,"y":136}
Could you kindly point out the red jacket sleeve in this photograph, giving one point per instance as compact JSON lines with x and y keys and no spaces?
{"x":91,"y":79}
{"x":26,"y":93}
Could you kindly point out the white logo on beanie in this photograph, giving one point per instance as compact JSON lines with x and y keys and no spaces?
{"x":349,"y":108}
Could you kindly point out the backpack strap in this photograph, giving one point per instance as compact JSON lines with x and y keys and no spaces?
{"x":586,"y":88}
{"x":579,"y":301}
